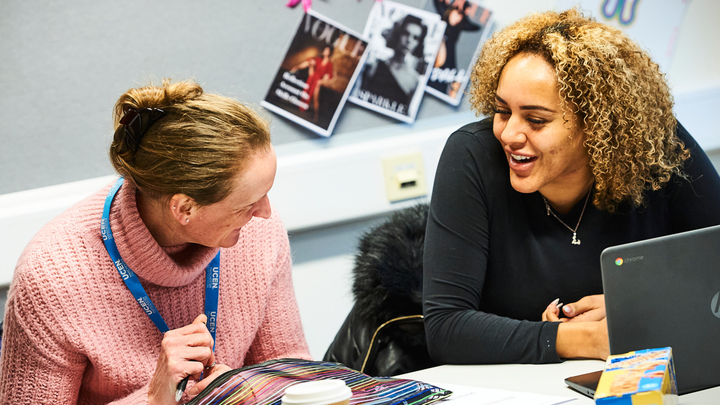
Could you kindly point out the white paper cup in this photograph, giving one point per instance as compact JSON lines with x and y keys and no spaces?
{"x":323,"y":392}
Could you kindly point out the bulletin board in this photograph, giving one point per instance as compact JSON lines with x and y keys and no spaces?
{"x":64,"y":64}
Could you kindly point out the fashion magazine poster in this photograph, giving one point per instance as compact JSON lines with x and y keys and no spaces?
{"x":317,"y":73}
{"x":404,"y":42}
{"x":468,"y":26}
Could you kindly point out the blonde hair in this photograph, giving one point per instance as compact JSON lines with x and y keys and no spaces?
{"x":617,"y":93}
{"x":196,"y":149}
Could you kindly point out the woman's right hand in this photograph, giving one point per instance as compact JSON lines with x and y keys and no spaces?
{"x":183,"y":352}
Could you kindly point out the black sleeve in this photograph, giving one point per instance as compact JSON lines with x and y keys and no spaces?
{"x":467,"y":25}
{"x":440,"y":6}
{"x":457,"y":248}
{"x":695,"y":201}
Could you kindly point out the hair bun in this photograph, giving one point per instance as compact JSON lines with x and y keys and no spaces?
{"x":152,"y":96}
{"x":181,"y":92}
{"x":148,"y":97}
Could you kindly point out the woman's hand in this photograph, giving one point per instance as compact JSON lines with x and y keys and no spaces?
{"x":587,"y":309}
{"x":552,"y":312}
{"x":590,"y":308}
{"x":584,"y":333}
{"x":587,"y":340}
{"x":210,"y":375}
{"x":183,"y":352}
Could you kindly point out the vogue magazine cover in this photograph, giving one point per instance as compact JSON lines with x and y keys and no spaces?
{"x":468,"y":26}
{"x":404,"y":42}
{"x":317,"y":73}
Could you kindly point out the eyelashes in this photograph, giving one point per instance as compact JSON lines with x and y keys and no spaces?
{"x":530,"y":120}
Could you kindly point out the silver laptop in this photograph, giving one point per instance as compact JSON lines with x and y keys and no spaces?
{"x":666,"y":292}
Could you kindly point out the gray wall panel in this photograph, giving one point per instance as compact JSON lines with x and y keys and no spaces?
{"x":64,"y":64}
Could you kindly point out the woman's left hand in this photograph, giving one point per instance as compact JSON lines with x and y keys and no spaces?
{"x":552,"y":313}
{"x":214,"y":373}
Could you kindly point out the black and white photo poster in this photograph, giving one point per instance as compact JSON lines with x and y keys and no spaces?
{"x":404,"y":42}
{"x":468,"y":26}
{"x":317,"y":73}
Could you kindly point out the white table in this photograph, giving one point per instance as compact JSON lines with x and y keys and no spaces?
{"x":545,"y":379}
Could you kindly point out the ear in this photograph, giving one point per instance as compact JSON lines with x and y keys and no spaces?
{"x":181,"y":208}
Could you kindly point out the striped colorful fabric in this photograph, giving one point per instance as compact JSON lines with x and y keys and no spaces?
{"x":265,"y":384}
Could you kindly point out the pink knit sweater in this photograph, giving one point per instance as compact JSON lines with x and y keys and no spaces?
{"x":75,"y":334}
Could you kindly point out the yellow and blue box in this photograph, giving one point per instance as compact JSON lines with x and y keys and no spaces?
{"x":641,"y":377}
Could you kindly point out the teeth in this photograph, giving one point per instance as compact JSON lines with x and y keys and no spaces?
{"x":519,"y":157}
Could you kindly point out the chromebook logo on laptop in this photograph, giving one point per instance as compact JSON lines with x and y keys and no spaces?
{"x":620,"y":261}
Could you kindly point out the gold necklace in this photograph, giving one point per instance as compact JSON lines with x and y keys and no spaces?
{"x":575,"y":240}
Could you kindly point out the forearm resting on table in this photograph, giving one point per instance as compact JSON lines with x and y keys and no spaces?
{"x":581,"y":340}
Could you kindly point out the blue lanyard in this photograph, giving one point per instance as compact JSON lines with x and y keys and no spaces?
{"x":212,"y":274}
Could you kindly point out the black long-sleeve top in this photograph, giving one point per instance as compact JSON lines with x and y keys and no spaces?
{"x":494,"y":259}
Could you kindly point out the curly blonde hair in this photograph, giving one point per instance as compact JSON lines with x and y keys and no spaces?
{"x":613,"y":88}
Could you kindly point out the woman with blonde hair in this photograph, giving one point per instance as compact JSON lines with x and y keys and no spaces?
{"x":177,"y":271}
{"x":580,"y":151}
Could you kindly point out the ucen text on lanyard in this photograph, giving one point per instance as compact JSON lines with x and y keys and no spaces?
{"x":212,"y":274}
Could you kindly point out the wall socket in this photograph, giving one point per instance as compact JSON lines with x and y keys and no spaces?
{"x":404,"y":177}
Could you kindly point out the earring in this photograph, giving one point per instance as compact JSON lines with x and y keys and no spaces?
{"x":187,"y":220}
{"x":174,"y":207}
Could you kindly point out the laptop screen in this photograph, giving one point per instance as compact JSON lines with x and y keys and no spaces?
{"x":664,"y":292}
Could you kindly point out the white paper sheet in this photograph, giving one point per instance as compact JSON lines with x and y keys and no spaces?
{"x":465,"y":395}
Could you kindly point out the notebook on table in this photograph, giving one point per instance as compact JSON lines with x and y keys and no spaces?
{"x":666,"y":292}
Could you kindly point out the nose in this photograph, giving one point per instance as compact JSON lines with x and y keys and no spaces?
{"x":514,"y":132}
{"x":263,"y":208}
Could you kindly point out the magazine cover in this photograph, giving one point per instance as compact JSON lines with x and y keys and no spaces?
{"x":317,"y":73}
{"x":468,"y":26}
{"x":404,"y":42}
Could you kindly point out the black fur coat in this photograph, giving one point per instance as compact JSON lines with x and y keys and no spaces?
{"x":387,"y":285}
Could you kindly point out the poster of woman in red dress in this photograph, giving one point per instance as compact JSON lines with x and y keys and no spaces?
{"x":320,"y":71}
{"x":317,"y":73}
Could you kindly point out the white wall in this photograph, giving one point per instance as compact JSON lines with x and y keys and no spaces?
{"x":324,"y":296}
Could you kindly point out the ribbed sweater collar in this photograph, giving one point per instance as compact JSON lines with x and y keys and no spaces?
{"x":172,"y":266}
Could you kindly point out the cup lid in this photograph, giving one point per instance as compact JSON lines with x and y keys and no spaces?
{"x":321,"y":392}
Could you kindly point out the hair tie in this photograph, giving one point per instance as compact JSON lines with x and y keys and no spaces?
{"x":136,"y":123}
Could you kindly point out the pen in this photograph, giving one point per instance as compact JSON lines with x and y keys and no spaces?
{"x":181,"y":388}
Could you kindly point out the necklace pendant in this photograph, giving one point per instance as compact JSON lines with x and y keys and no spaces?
{"x":575,"y":240}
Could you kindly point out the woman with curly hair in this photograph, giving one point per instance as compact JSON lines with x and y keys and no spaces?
{"x":580,"y":151}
